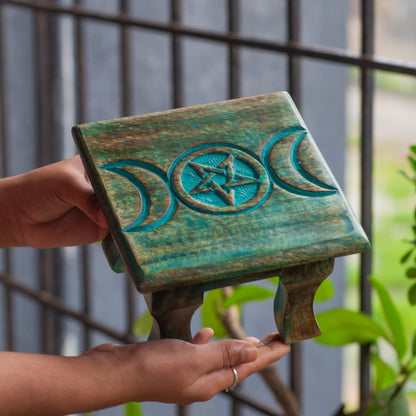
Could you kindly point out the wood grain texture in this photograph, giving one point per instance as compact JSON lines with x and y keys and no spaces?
{"x":216,"y":195}
{"x":293,"y":304}
{"x":172,"y":311}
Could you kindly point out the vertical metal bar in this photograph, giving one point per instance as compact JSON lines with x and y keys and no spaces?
{"x":40,"y":49}
{"x":294,"y":37}
{"x":79,"y":67}
{"x":3,"y":128}
{"x":182,"y":410}
{"x":8,"y":303}
{"x":233,"y":11}
{"x":176,"y":52}
{"x":233,"y":14}
{"x":86,"y":293}
{"x":177,"y":94}
{"x":126,"y":103}
{"x":367,"y":93}
{"x":47,"y":153}
{"x":236,"y":407}
{"x":39,"y":105}
{"x":125,"y":62}
{"x":81,"y":118}
{"x":294,"y":78}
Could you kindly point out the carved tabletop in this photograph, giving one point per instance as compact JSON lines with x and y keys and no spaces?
{"x":215,"y":195}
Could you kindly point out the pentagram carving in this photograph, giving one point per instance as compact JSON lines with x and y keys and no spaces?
{"x":220,"y":179}
{"x":209,"y":177}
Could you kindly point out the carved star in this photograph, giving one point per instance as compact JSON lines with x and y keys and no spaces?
{"x":225,"y":169}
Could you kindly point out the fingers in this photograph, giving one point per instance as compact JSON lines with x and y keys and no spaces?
{"x":269,"y":350}
{"x":81,"y":193}
{"x":253,"y":340}
{"x":84,"y":194}
{"x":203,"y":336}
{"x":227,"y":352}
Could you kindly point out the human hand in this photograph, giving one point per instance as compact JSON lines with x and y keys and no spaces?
{"x":175,"y":371}
{"x":167,"y":370}
{"x":52,"y":206}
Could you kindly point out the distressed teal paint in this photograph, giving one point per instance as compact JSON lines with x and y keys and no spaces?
{"x":208,"y":187}
{"x":231,"y":192}
{"x":143,"y":195}
{"x":265,"y":157}
{"x":297,"y":165}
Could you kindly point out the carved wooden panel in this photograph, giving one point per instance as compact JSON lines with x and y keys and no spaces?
{"x":218,"y":194}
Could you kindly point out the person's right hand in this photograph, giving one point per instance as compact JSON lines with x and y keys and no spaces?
{"x":52,"y":206}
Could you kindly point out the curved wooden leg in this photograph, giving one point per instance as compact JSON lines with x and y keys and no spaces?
{"x":293,"y":304}
{"x":172,"y":311}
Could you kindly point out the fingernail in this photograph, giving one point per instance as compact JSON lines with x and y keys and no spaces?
{"x":101,"y":218}
{"x":249,"y":353}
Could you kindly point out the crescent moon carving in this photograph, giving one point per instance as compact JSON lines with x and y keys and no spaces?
{"x":161,"y":211}
{"x":282,"y":157}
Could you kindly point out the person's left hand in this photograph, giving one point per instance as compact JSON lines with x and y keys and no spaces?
{"x":175,"y":371}
{"x":52,"y":206}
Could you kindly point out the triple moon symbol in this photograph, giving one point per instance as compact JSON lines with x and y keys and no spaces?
{"x":218,"y":179}
{"x":157,"y":203}
{"x":281,"y":156}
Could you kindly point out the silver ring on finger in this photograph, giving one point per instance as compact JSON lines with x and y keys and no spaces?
{"x":235,"y":383}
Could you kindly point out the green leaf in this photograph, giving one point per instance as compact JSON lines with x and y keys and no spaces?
{"x":413,"y":149}
{"x":342,"y":327}
{"x":412,"y":162}
{"x":389,"y":402}
{"x":325,"y":291}
{"x":406,"y":256}
{"x":412,"y":294}
{"x":411,"y":272}
{"x":393,"y":318}
{"x":247,"y":293}
{"x":414,"y":345}
{"x":274,"y":280}
{"x":412,"y":362}
{"x":403,"y":173}
{"x":385,"y":375}
{"x":143,"y":324}
{"x":210,"y":312}
{"x":133,"y":409}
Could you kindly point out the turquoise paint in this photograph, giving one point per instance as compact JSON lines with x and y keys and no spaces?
{"x":265,"y":157}
{"x":135,"y":225}
{"x":222,"y":175}
{"x":297,"y":164}
{"x":221,"y":179}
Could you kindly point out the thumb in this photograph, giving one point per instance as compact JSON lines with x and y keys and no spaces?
{"x":228,"y":352}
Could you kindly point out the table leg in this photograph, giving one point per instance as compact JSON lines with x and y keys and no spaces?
{"x":172,"y":311}
{"x":293,"y":304}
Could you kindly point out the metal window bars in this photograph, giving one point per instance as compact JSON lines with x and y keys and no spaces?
{"x":50,"y":264}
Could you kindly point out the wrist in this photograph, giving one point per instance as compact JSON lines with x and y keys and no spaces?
{"x":105,"y":371}
{"x":49,"y":385}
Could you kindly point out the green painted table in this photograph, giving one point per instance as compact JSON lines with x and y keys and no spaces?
{"x":215,"y":195}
